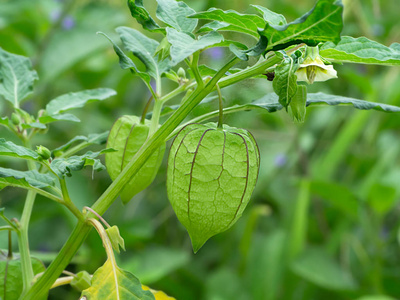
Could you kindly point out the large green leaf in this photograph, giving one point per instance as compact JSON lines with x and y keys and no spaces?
{"x":361,"y":50}
{"x":322,"y":24}
{"x":75,"y":100}
{"x":24,"y":179}
{"x":317,"y":267}
{"x":125,"y":62}
{"x":139,"y":12}
{"x":11,"y":276}
{"x":8,"y":148}
{"x":64,"y":166}
{"x":58,"y":117}
{"x":144,"y":48}
{"x":174,"y":13}
{"x":16,"y":77}
{"x":183,"y":45}
{"x":285,"y":81}
{"x":231,"y":20}
{"x":110,"y":282}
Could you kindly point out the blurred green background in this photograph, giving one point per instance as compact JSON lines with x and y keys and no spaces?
{"x":323,"y":222}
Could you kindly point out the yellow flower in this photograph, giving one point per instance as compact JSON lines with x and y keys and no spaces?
{"x":313,"y":68}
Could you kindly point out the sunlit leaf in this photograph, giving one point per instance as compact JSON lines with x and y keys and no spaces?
{"x":110,"y":282}
{"x":269,"y":16}
{"x":78,"y":99}
{"x":159,"y":295}
{"x":183,"y":45}
{"x":174,"y":13}
{"x":361,"y":50}
{"x":16,"y":77}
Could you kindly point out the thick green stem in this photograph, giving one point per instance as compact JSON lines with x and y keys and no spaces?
{"x":195,"y":69}
{"x":155,"y":119}
{"x":68,"y":202}
{"x":107,"y":198}
{"x":221,"y":108}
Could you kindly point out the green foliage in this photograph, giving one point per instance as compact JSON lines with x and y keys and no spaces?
{"x":24,"y":179}
{"x":115,"y":238}
{"x":174,"y":13}
{"x":127,"y":136}
{"x":8,"y":148}
{"x":211,"y":176}
{"x":81,"y":281}
{"x":142,"y":16}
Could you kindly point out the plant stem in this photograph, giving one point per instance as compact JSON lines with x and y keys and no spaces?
{"x":146,"y":108}
{"x":220,"y":106}
{"x":68,"y":202}
{"x":155,"y":118}
{"x":107,"y":198}
{"x":195,"y":69}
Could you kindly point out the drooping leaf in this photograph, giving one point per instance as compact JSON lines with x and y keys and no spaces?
{"x":75,"y":100}
{"x":16,"y":77}
{"x":11,"y":276}
{"x":144,"y":48}
{"x":231,"y":20}
{"x":323,"y":23}
{"x":271,"y":17}
{"x":94,"y":138}
{"x":24,"y":179}
{"x":125,"y":62}
{"x":183,"y":45}
{"x":139,"y":12}
{"x":64,"y":166}
{"x":285,"y":81}
{"x":297,"y":106}
{"x":175,"y":13}
{"x":361,"y":50}
{"x":319,"y":268}
{"x":8,"y":148}
{"x":110,"y":282}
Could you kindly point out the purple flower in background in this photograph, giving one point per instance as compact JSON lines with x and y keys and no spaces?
{"x":215,"y":53}
{"x":280,"y":160}
{"x":68,"y":23}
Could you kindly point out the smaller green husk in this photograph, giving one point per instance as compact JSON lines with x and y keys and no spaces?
{"x":211,"y":175}
{"x":127,"y":136}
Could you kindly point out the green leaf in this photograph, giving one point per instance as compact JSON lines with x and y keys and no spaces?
{"x":64,"y":166}
{"x":361,"y":50}
{"x":270,"y":17}
{"x":285,"y":81}
{"x":175,"y":13}
{"x":375,"y":297}
{"x":94,"y":138}
{"x":16,"y":77}
{"x":322,"y":24}
{"x":24,"y":179}
{"x":58,"y":117}
{"x":210,"y":178}
{"x":11,"y":276}
{"x":317,"y":267}
{"x":115,"y":238}
{"x":142,"y":15}
{"x":231,"y":20}
{"x":381,"y":198}
{"x":125,"y":62}
{"x":155,"y":263}
{"x":297,"y":106}
{"x":144,"y":48}
{"x":8,"y":148}
{"x":75,"y":100}
{"x":4,"y":121}
{"x":183,"y":45}
{"x":112,"y":282}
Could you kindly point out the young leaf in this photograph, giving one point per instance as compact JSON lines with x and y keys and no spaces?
{"x":64,"y":166}
{"x":112,"y":282}
{"x":361,"y":50}
{"x":24,"y":179}
{"x":285,"y":81}
{"x":183,"y":45}
{"x":94,"y":138}
{"x":16,"y":77}
{"x":323,"y":23}
{"x":297,"y":107}
{"x":8,"y":148}
{"x":231,"y":20}
{"x":175,"y":13}
{"x":144,"y":48}
{"x":76,"y":100}
{"x":271,"y":17}
{"x":125,"y":62}
{"x":115,"y":238}
{"x":142,"y":15}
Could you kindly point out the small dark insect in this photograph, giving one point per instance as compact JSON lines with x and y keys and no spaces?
{"x":270,"y":76}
